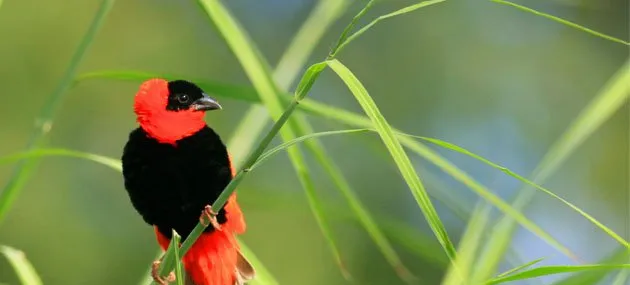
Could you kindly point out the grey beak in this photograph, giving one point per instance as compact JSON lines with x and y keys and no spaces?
{"x":205,"y":103}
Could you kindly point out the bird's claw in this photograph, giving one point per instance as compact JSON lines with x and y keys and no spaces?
{"x":155,"y":273}
{"x":209,"y":217}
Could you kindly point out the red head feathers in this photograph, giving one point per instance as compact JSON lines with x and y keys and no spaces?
{"x":169,"y":111}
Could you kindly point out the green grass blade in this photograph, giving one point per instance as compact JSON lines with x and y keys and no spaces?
{"x":550,"y":270}
{"x":323,"y":15}
{"x":482,"y":191}
{"x":459,"y":271}
{"x":45,"y":118}
{"x":609,"y":99}
{"x":260,"y":76}
{"x":263,"y":275}
{"x":292,"y":142}
{"x":356,"y":206}
{"x":23,"y":268}
{"x":179,"y":276}
{"x":592,"y":277}
{"x":398,"y":154}
{"x":399,"y":12}
{"x":562,"y":21}
{"x":44,"y":152}
{"x":520,"y":267}
{"x":505,"y":170}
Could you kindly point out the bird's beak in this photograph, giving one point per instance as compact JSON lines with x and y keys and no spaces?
{"x":205,"y":103}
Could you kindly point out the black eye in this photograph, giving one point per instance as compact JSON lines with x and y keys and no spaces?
{"x":183,"y":98}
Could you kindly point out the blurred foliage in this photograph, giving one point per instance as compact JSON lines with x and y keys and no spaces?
{"x":499,"y":82}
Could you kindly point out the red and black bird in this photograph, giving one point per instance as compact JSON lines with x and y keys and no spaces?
{"x":174,"y":167}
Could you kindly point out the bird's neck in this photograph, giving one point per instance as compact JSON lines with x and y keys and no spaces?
{"x":170,"y":127}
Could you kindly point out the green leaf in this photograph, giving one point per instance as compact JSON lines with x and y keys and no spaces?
{"x":45,"y":118}
{"x":461,"y":150}
{"x":44,"y":152}
{"x":398,"y":154}
{"x":550,"y":270}
{"x":292,"y":142}
{"x":608,"y":100}
{"x":562,"y":21}
{"x":24,"y":270}
{"x":179,"y":276}
{"x":399,"y":12}
{"x":592,"y":277}
{"x":460,"y":270}
{"x":520,"y":267}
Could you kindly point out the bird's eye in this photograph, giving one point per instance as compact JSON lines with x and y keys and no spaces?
{"x":183,"y":98}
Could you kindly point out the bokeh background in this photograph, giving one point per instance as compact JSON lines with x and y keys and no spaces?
{"x":502,"y":83}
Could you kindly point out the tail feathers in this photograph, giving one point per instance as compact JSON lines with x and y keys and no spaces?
{"x":213,"y":259}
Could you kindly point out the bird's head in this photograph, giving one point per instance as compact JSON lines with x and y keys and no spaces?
{"x":171,"y":110}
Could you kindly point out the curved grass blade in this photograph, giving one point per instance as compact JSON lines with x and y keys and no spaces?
{"x":43,"y":152}
{"x":294,"y":141}
{"x":399,"y":12}
{"x":45,"y":119}
{"x":557,"y":269}
{"x":593,"y":277}
{"x":398,"y":154}
{"x":360,"y":211}
{"x":608,"y":100}
{"x":520,"y":267}
{"x":23,"y":268}
{"x":505,"y":170}
{"x":562,"y":21}
{"x":263,"y":276}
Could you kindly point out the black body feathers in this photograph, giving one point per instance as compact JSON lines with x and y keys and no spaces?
{"x":169,"y":185}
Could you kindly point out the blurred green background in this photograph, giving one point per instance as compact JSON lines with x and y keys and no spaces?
{"x":502,"y":83}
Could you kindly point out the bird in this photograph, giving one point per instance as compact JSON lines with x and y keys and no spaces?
{"x":174,"y":167}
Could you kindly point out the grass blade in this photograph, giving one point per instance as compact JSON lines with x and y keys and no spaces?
{"x":609,"y":99}
{"x":550,"y":270}
{"x":179,"y":276}
{"x":45,"y":119}
{"x":23,"y":268}
{"x":292,"y":142}
{"x":520,"y":267}
{"x":258,"y":73}
{"x":562,"y":21}
{"x":263,"y":276}
{"x":398,"y":154}
{"x":460,"y":270}
{"x":399,"y":12}
{"x":505,"y":170}
{"x":592,"y":277}
{"x":43,"y":152}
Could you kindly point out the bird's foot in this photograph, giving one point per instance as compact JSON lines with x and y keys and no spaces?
{"x":209,"y":217}
{"x":155,"y":273}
